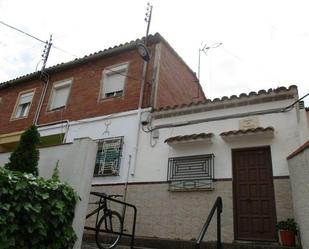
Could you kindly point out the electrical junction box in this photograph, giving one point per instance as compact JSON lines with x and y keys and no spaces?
{"x":145,"y":118}
{"x":155,"y":134}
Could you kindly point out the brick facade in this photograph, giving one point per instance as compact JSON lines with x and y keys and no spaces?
{"x":176,"y":85}
{"x":84,"y":100}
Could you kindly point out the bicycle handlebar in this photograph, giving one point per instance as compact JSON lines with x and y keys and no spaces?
{"x":102,"y":194}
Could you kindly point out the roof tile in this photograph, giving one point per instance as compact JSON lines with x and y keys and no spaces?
{"x":233,"y":97}
{"x":188,"y":137}
{"x":242,"y":132}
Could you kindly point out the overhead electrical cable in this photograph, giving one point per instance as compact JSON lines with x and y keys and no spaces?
{"x":21,"y":31}
{"x":36,"y":38}
{"x":46,"y":42}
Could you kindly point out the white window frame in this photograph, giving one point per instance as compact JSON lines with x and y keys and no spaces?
{"x":113,"y":70}
{"x":56,"y":86}
{"x":17,"y":104}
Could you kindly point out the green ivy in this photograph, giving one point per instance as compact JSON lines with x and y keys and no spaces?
{"x":35,"y":213}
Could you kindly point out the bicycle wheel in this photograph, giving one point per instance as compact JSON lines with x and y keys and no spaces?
{"x":109,"y":230}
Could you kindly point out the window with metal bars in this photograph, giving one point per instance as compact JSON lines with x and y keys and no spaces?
{"x":108,"y":157}
{"x":191,"y":172}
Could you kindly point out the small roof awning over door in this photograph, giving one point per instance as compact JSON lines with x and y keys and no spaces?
{"x":201,"y":137}
{"x":259,"y":132}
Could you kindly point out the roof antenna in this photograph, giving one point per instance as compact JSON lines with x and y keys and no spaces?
{"x":44,"y":76}
{"x":205,"y":49}
{"x":148,"y":19}
{"x":142,"y":47}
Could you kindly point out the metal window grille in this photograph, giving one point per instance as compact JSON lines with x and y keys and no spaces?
{"x":191,"y":172}
{"x":108,"y":157}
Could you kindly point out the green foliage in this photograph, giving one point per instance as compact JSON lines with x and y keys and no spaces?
{"x":26,"y":155}
{"x":288,"y":224}
{"x":35,"y":213}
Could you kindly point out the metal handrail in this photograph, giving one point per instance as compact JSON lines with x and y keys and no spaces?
{"x":217,"y":206}
{"x":125,"y":204}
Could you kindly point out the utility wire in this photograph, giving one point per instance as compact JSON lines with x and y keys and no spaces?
{"x":45,"y":42}
{"x":25,"y":33}
{"x":38,"y":39}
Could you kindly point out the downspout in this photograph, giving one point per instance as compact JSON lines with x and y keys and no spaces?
{"x":141,"y":96}
{"x":38,"y":110}
{"x":139,"y":113}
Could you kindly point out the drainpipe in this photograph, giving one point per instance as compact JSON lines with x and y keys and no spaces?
{"x":139,"y":114}
{"x":141,"y":95}
{"x":38,"y":110}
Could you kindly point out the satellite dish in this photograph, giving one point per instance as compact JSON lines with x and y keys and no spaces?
{"x":143,"y":51}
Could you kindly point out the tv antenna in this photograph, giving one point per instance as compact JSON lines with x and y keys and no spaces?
{"x":142,"y":47}
{"x":148,"y":19}
{"x":44,"y":75}
{"x":205,"y":49}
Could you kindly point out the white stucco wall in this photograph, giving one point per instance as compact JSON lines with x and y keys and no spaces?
{"x":299,"y":173}
{"x":152,"y":161}
{"x":109,"y":126}
{"x":76,"y":165}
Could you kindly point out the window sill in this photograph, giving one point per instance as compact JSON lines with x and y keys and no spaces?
{"x":111,"y":98}
{"x":56,"y":109}
{"x":15,"y":119}
{"x":191,"y":185}
{"x":106,"y":175}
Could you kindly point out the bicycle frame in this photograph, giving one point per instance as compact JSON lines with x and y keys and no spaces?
{"x":103,"y":206}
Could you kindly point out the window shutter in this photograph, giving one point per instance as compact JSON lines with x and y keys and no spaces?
{"x":114,"y":79}
{"x":25,"y":98}
{"x":113,"y":82}
{"x":60,"y":96}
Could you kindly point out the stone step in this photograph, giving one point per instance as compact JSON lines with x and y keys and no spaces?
{"x":210,"y":245}
{"x":160,"y":243}
{"x":91,"y":245}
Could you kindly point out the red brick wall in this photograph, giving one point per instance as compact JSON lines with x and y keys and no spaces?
{"x":177,"y":84}
{"x":83,"y":101}
{"x":9,"y":97}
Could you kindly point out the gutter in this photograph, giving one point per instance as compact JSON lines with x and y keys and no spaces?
{"x":240,"y":115}
{"x":105,"y":53}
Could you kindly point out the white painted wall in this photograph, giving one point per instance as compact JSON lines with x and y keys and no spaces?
{"x":76,"y":165}
{"x":119,"y":124}
{"x":152,"y":161}
{"x":299,"y":168}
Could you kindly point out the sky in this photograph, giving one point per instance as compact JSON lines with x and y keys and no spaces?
{"x":264,"y":43}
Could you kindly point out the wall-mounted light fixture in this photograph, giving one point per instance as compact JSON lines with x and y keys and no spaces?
{"x":143,"y":51}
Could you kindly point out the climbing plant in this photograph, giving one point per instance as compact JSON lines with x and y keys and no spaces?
{"x":35,"y":213}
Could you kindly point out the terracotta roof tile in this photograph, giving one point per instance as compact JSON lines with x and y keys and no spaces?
{"x":247,"y":131}
{"x":188,"y":137}
{"x":121,"y":47}
{"x":233,"y":97}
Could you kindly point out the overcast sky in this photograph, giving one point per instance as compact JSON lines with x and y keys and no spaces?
{"x":265,"y":43}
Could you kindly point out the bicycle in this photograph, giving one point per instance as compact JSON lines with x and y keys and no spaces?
{"x":109,"y":228}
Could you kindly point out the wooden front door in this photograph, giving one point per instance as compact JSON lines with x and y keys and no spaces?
{"x":254,"y":202}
